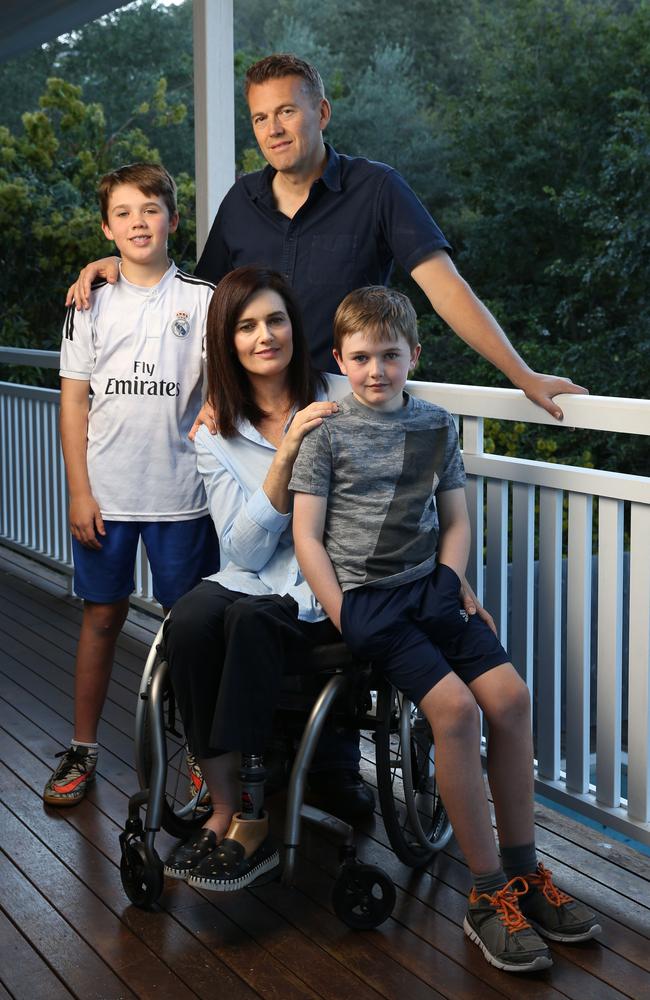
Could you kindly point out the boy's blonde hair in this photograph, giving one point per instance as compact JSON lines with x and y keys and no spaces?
{"x":150,"y":178}
{"x":378,"y":312}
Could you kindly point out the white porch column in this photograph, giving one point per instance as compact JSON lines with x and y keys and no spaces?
{"x":214,"y":112}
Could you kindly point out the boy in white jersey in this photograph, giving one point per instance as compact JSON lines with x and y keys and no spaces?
{"x":382,"y":536}
{"x":131,"y":470}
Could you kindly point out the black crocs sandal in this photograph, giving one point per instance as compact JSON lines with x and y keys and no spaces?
{"x":185,"y":857}
{"x":227,"y":869}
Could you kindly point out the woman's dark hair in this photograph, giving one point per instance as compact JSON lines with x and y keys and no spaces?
{"x":229,"y":389}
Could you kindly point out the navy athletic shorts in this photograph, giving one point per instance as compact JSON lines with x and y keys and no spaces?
{"x":419,"y":632}
{"x":180,"y":554}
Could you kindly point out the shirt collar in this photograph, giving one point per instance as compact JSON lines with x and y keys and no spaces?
{"x":331,"y":176}
{"x":146,"y":290}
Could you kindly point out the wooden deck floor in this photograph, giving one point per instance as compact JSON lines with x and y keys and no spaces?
{"x":66,"y":928}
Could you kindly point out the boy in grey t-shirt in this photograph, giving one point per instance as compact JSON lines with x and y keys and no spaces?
{"x":382,"y":536}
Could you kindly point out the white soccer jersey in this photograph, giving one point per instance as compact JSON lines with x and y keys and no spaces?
{"x":141,"y":349}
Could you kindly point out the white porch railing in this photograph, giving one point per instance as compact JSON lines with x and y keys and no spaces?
{"x":545,"y":605}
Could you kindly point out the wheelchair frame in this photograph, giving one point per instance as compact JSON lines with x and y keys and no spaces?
{"x":415,"y":819}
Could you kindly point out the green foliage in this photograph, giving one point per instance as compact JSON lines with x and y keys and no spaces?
{"x":49,"y":216}
{"x":524,"y":126}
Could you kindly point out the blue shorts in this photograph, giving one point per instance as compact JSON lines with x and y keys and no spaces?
{"x":419,"y":632}
{"x":180,"y":553}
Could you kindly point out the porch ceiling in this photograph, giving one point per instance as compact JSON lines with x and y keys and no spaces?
{"x":27,"y":25}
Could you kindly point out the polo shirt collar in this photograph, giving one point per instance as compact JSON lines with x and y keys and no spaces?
{"x":331,"y":176}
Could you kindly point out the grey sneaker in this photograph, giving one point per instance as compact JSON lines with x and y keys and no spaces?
{"x":496,"y":924}
{"x":553,"y":913}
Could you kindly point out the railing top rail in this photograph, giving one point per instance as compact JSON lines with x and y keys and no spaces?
{"x":25,"y":356}
{"x":603,"y":413}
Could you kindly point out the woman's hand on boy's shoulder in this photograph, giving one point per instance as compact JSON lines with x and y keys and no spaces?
{"x":304,"y":421}
{"x":80,"y":291}
{"x":473,"y":606}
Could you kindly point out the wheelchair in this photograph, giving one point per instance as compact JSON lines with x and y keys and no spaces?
{"x":356,"y":696}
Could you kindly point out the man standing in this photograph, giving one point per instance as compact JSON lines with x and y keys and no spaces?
{"x":331,"y":223}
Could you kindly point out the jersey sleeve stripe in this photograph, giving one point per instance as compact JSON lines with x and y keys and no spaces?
{"x":189,"y":279}
{"x":69,"y":323}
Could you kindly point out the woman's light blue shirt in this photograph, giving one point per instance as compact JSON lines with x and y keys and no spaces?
{"x":255,"y":540}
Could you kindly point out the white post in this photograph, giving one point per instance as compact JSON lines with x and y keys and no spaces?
{"x":214,"y":110}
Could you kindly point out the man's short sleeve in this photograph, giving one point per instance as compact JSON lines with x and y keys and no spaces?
{"x":453,"y":476}
{"x":405,"y":224}
{"x":312,"y":469}
{"x":77,"y":347}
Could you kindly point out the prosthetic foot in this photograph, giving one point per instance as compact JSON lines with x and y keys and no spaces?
{"x":246,"y":851}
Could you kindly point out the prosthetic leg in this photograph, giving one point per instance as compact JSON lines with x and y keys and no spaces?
{"x":246,"y":851}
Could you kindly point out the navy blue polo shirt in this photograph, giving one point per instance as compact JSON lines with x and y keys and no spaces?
{"x":359,"y":218}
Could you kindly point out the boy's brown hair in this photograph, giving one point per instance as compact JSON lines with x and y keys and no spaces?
{"x":282,"y":64}
{"x":378,"y":312}
{"x":150,"y":178}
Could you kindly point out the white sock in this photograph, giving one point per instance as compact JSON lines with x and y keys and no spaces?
{"x":93,"y":748}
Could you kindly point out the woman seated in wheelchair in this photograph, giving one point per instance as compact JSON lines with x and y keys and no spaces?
{"x":230,"y":640}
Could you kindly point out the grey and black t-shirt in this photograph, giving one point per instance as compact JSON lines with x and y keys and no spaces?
{"x":380,"y":472}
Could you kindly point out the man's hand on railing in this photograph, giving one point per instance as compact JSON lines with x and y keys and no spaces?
{"x":541,"y":389}
{"x":86,"y":521}
{"x":473,"y":606}
{"x":205,"y":416}
{"x":79,"y":293}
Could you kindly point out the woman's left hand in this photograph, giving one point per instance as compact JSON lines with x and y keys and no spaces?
{"x":473,"y":606}
{"x":303,"y":422}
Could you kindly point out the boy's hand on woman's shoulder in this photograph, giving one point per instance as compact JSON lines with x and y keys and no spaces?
{"x":80,"y":291}
{"x":207,"y":416}
{"x":86,"y":521}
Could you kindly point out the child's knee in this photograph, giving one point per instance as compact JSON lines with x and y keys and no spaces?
{"x":512,"y":709}
{"x":105,"y":619}
{"x":454,"y":713}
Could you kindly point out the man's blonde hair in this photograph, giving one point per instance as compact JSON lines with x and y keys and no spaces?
{"x":379,"y":313}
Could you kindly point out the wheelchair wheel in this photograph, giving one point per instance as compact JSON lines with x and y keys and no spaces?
{"x":414,"y":816}
{"x":182,"y":812}
{"x":142,"y":881}
{"x":363,"y":896}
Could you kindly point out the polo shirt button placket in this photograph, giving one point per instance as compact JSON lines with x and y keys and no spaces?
{"x":289,"y":255}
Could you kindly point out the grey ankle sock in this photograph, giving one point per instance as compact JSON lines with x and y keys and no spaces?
{"x":92,"y":748}
{"x":520,"y":860}
{"x":489,"y":883}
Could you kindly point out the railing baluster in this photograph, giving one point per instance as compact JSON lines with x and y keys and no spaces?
{"x":549,"y":602}
{"x":638,"y":726}
{"x":473,"y":445}
{"x":610,"y":642}
{"x":578,"y":648}
{"x":496,"y":576}
{"x":522,"y":581}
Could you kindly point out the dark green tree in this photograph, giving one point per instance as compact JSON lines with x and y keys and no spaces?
{"x":48,"y":205}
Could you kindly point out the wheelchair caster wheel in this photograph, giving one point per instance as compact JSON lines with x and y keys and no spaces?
{"x":363,"y":896}
{"x":142,"y":881}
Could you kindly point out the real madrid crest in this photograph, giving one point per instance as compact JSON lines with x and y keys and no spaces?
{"x":181,"y":325}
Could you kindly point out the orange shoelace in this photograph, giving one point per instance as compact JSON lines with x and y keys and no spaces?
{"x":506,"y":902}
{"x":542,"y":880}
